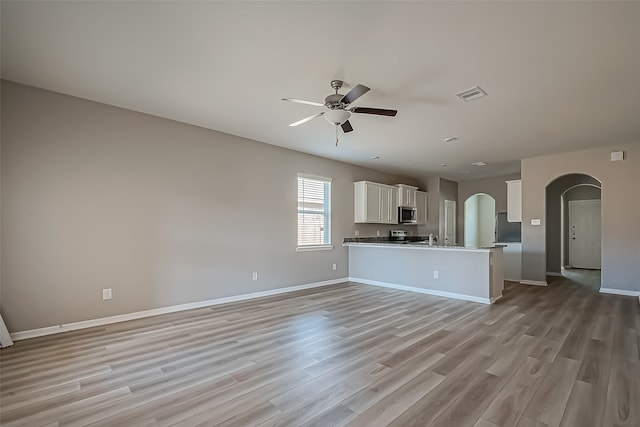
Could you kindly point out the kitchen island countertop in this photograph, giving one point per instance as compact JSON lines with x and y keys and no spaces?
{"x":414,"y":242}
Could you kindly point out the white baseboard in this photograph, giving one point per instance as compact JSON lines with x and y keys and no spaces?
{"x":32,"y":333}
{"x":422,"y":290}
{"x":534,"y":282}
{"x":5,"y":337}
{"x":553,"y":273}
{"x":620,"y":292}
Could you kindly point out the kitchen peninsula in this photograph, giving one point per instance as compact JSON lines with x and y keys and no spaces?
{"x":467,"y":273}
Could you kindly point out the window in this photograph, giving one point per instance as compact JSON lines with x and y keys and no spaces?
{"x":314,"y":212}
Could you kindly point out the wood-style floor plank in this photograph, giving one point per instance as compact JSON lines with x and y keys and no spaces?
{"x":347,"y":354}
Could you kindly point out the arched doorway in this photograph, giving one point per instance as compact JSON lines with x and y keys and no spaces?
{"x":479,"y":220}
{"x":573,"y":233}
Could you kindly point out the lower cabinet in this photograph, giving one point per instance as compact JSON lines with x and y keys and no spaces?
{"x":375,"y":203}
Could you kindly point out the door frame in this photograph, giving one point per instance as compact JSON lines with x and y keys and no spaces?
{"x":449,"y":204}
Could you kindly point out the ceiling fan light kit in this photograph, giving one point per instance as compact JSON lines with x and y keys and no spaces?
{"x":338,"y":107}
{"x":337,"y":117}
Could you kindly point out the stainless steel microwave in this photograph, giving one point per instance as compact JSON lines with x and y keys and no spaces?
{"x":407,"y":215}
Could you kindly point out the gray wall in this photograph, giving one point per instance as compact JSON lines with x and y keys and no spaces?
{"x":432,"y":186}
{"x":580,"y":192}
{"x":494,"y":187}
{"x":620,"y":210}
{"x":164,"y":213}
{"x":439,"y":190}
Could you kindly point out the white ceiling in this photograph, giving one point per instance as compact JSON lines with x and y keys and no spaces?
{"x":561,"y":76}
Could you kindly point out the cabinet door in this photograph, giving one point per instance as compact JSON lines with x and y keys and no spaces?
{"x":514,"y":201}
{"x":421,"y":207}
{"x":393,"y":206}
{"x":373,"y":203}
{"x":385,"y":202}
{"x":406,"y":196}
{"x":403,"y":194}
{"x":412,"y":198}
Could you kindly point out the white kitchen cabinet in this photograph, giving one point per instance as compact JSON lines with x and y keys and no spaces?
{"x":514,"y":200}
{"x":421,"y":207}
{"x":406,"y":195}
{"x":375,"y":203}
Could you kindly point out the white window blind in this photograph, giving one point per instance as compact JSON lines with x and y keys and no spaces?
{"x":314,"y":212}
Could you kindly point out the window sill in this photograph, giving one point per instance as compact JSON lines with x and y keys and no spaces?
{"x":314,"y":248}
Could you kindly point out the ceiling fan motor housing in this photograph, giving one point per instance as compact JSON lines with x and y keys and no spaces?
{"x":334,"y":101}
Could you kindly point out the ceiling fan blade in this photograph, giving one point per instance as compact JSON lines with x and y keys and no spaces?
{"x":377,"y":111}
{"x":346,"y":127}
{"x":301,"y":101}
{"x":354,"y":94}
{"x":306,"y":119}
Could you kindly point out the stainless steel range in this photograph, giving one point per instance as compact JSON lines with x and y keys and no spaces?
{"x":398,"y":235}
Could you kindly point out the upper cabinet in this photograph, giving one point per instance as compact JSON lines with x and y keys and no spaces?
{"x":406,"y":195}
{"x":375,"y":203}
{"x":514,"y":200}
{"x":421,"y":207}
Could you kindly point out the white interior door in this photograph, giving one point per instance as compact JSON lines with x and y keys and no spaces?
{"x":584,"y":234}
{"x":449,"y":222}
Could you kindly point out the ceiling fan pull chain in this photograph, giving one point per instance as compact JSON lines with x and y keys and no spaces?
{"x":336,"y":136}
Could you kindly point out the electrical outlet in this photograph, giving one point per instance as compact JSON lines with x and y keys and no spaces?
{"x":334,"y":267}
{"x":106,"y":293}
{"x":378,"y":233}
{"x":435,"y":274}
{"x":254,"y":276}
{"x":357,"y":233}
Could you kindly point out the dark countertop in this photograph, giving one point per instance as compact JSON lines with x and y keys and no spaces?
{"x":413,"y":241}
{"x":382,"y":239}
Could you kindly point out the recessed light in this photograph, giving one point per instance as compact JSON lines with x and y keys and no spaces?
{"x":444,"y":165}
{"x":451,"y":139}
{"x":479,"y":164}
{"x":464,"y":172}
{"x":374,"y":157}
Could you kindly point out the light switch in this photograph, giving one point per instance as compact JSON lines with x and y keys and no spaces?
{"x":535,"y":222}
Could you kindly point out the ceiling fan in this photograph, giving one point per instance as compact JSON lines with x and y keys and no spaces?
{"x":339,"y":107}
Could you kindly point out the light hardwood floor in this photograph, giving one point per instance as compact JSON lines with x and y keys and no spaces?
{"x":342,"y":355}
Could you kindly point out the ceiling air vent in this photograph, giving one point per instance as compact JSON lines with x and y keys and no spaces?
{"x":471,"y":94}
